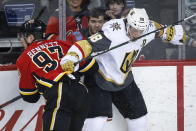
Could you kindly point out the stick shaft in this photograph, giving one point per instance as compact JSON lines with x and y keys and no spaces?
{"x":165,"y":26}
{"x":10,"y":101}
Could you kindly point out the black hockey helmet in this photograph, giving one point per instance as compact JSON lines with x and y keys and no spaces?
{"x":35,"y":27}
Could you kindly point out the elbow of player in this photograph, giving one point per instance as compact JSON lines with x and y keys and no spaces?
{"x":90,"y":67}
{"x":31,"y":98}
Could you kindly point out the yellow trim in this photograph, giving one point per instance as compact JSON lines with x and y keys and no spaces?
{"x":28,"y":93}
{"x":73,"y":54}
{"x":86,"y":47}
{"x":49,"y":85}
{"x":43,"y":83}
{"x":110,"y":80}
{"x":59,"y":76}
{"x":57,"y":105}
{"x":89,"y":66}
{"x":158,"y":26}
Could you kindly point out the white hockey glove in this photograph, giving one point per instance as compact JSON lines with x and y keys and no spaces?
{"x":67,"y":63}
{"x":174,"y":34}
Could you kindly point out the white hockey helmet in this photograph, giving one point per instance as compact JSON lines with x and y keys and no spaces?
{"x":138,"y":19}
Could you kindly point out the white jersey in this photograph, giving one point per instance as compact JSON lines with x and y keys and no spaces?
{"x":115,"y":65}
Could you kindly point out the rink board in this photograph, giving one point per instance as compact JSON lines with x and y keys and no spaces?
{"x":157,"y":83}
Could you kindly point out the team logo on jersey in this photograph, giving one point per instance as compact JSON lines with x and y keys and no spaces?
{"x":115,"y":26}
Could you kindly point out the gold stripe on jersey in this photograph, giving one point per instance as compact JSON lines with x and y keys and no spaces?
{"x":73,"y":54}
{"x":28,"y":93}
{"x":85,"y":46}
{"x":59,"y":76}
{"x":158,"y":26}
{"x":57,"y":105}
{"x":110,"y":80}
{"x":47,"y":84}
{"x":88,"y":66}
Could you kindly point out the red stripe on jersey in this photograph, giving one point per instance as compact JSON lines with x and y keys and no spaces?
{"x":81,"y":50}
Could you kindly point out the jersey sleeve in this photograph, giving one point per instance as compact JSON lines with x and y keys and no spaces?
{"x":27,"y":88}
{"x":89,"y":67}
{"x":99,"y":42}
{"x":171,"y":34}
{"x":83,"y":48}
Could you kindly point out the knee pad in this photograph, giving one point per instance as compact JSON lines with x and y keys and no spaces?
{"x":94,"y":124}
{"x":139,"y":124}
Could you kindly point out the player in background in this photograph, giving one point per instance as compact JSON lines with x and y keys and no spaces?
{"x":115,"y":73}
{"x":96,"y":19}
{"x":115,"y":8}
{"x":41,"y":74}
{"x":118,"y":8}
{"x":76,"y":18}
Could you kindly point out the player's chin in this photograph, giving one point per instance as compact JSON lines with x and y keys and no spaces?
{"x":131,"y":37}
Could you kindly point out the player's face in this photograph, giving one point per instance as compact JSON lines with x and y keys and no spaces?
{"x":22,"y":40}
{"x":25,"y":41}
{"x":95,"y":24}
{"x":134,"y":33}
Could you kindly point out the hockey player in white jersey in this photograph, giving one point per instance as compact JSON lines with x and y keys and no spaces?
{"x":115,"y":76}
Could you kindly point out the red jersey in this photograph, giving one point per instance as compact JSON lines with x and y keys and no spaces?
{"x":43,"y":59}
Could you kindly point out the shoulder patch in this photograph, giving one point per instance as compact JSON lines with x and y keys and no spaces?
{"x":99,"y":42}
{"x":158,"y":26}
{"x":115,"y":26}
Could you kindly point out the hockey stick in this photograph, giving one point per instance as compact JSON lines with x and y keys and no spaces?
{"x":103,"y":52}
{"x":10,"y":101}
{"x":92,"y":56}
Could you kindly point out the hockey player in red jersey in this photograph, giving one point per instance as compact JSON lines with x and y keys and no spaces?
{"x":41,"y":74}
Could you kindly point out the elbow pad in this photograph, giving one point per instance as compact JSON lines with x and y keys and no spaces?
{"x":30,"y":95}
{"x":174,"y":34}
{"x":31,"y":98}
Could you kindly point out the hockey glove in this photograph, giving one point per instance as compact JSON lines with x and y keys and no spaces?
{"x":175,"y":35}
{"x":67,"y":63}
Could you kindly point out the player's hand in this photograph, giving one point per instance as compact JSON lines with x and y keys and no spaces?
{"x":110,"y":13}
{"x":68,"y":66}
{"x":67,"y":63}
{"x":174,"y":35}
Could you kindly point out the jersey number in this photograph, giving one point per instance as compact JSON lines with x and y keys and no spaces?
{"x":96,"y":37}
{"x":43,"y":60}
{"x":128,"y":60}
